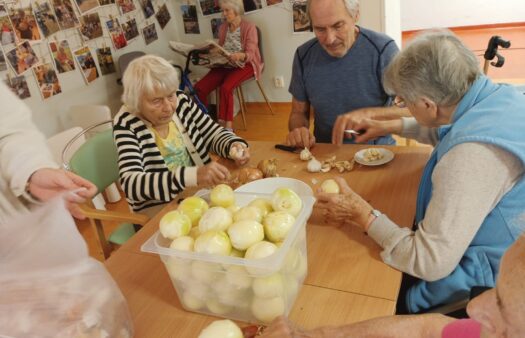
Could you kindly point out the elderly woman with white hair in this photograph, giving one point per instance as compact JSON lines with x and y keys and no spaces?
{"x":470,"y":205}
{"x":239,"y":37}
{"x":163,"y":138}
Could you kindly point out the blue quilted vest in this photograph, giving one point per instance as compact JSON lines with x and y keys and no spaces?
{"x":493,"y":114}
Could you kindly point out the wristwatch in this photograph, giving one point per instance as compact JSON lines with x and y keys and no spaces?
{"x":374,"y":214}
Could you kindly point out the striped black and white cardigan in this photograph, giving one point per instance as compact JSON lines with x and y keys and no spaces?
{"x":144,"y":176}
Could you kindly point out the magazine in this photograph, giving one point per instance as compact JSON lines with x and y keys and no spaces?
{"x":210,"y":54}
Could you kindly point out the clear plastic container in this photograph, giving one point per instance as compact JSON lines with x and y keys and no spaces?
{"x":249,"y":290}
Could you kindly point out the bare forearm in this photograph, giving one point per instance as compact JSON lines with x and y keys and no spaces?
{"x":387,"y":113}
{"x":300,"y":115}
{"x":420,"y":326}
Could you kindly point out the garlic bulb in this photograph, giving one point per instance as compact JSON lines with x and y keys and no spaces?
{"x":305,"y":154}
{"x":313,"y":166}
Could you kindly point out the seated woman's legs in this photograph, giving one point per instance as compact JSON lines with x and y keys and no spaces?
{"x":235,"y":77}
{"x":208,"y":83}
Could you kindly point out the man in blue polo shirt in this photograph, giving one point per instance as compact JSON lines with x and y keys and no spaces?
{"x":339,"y":74}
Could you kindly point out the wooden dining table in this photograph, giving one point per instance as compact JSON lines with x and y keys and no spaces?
{"x":346,"y":281}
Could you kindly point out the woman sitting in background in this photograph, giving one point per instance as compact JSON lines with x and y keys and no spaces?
{"x":470,"y":204}
{"x":163,"y":138}
{"x":239,"y":37}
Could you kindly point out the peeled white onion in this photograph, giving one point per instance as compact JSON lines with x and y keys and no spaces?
{"x":215,"y":307}
{"x":203,"y":272}
{"x":221,"y":329}
{"x":263,"y":204}
{"x":259,"y":250}
{"x":174,"y":224}
{"x":193,"y":207}
{"x":245,"y":233}
{"x":267,"y":309}
{"x":269,"y":286}
{"x":238,"y":277}
{"x":284,"y":199}
{"x":248,"y":213}
{"x":191,"y":301}
{"x":222,"y":196}
{"x":330,"y":186}
{"x":183,"y":243}
{"x":216,"y":218}
{"x":277,"y":224}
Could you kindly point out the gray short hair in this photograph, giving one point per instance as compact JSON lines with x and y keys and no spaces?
{"x":147,"y":75}
{"x":236,"y":5}
{"x":352,"y":6}
{"x":436,"y":65}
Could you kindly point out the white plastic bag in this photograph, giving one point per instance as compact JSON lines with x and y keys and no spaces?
{"x":50,"y":287}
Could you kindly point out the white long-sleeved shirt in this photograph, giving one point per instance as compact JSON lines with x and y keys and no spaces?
{"x":467,"y":182}
{"x":23,"y":150}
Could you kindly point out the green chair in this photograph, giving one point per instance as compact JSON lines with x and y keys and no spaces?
{"x":97,"y":161}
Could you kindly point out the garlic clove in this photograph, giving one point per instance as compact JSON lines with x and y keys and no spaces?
{"x":305,"y":154}
{"x":313,"y":166}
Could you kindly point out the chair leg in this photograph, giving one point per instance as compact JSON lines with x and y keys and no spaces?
{"x":243,"y":100}
{"x":105,"y":246}
{"x":265,"y":97}
{"x":241,"y":105}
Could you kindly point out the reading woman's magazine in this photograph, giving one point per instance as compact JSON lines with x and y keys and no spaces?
{"x":211,"y":55}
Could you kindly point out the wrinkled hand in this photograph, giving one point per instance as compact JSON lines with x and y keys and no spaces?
{"x":372,"y":129}
{"x":211,"y":174}
{"x":349,"y":120}
{"x":300,"y":138}
{"x":281,"y":327}
{"x":345,"y":208}
{"x":47,"y":183}
{"x":240,"y":153}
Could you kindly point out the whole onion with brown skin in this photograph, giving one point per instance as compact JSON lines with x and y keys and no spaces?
{"x":268,"y":167}
{"x":249,"y":174}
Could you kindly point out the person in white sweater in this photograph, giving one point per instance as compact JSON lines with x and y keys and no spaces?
{"x":28,"y":174}
{"x":470,"y":202}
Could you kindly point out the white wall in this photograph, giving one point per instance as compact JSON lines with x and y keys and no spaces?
{"x":417,"y":14}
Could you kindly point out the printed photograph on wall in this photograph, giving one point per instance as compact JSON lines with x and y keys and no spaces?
{"x":65,"y":14}
{"x":24,"y":24}
{"x":86,"y":5}
{"x":116,"y":33}
{"x":273,"y":2}
{"x":215,"y":24}
{"x":90,"y":26}
{"x":301,"y":22}
{"x":47,"y":80}
{"x":147,"y":8}
{"x":8,"y":33}
{"x":22,"y":57}
{"x":45,"y":18}
{"x":189,"y":17}
{"x":62,"y":56}
{"x":105,"y":60}
{"x":87,"y":64}
{"x":125,"y":6}
{"x":18,"y":85}
{"x":106,"y":2}
{"x":149,"y":33}
{"x":130,"y":29}
{"x":251,"y":5}
{"x":209,"y":7}
{"x":163,"y":16}
{"x":3,"y":64}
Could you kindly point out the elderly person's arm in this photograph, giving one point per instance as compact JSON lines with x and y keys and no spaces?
{"x":467,"y":183}
{"x":299,"y":125}
{"x":420,"y":326}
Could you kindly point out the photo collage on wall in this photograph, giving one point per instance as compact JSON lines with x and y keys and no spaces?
{"x":53,"y":37}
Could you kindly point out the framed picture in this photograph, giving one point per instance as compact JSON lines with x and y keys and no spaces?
{"x":22,"y":57}
{"x":130,"y":29}
{"x":117,"y":34}
{"x":147,"y":8}
{"x":18,"y":85}
{"x":62,"y":56}
{"x":45,"y":18}
{"x":90,"y":26}
{"x":189,"y":17}
{"x":87,"y":64}
{"x":65,"y":14}
{"x":125,"y":6}
{"x":149,"y":33}
{"x":215,"y":24}
{"x":86,"y":5}
{"x":301,"y":22}
{"x":47,"y":80}
{"x":8,"y":33}
{"x":209,"y":7}
{"x":163,"y":16}
{"x":24,"y":24}
{"x":105,"y":60}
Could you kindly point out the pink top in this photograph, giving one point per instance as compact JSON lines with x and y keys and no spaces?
{"x":462,"y":328}
{"x":249,"y":43}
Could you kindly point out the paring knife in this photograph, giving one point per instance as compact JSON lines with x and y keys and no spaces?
{"x":288,"y":148}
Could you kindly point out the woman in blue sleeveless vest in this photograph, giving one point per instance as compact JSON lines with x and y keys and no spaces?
{"x":471,"y":199}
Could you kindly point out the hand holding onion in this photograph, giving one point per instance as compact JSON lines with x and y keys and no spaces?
{"x":240,"y":153}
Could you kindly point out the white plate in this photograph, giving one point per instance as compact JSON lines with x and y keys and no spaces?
{"x":387,"y":157}
{"x":270,"y":184}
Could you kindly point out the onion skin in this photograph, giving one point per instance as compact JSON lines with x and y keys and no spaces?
{"x":268,"y":167}
{"x":249,"y":174}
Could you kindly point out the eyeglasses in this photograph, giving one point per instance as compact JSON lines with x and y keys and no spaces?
{"x":399,"y":102}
